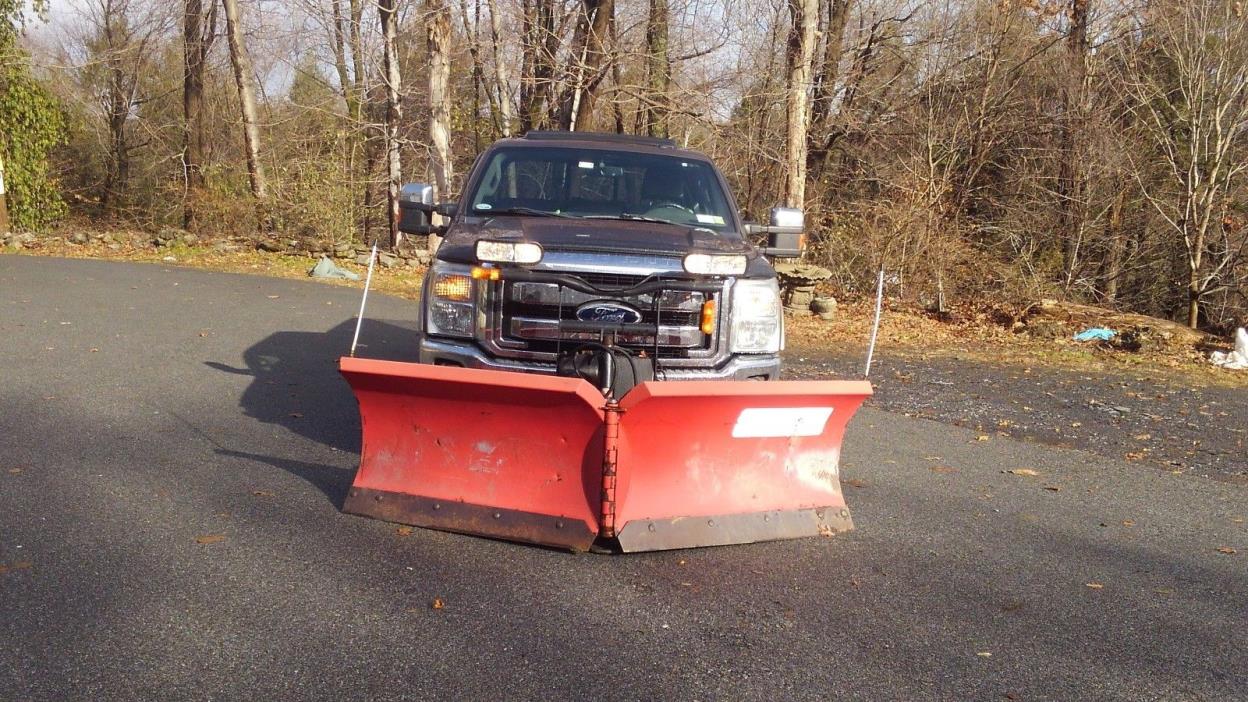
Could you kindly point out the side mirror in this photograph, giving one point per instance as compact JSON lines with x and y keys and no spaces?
{"x":415,"y":208}
{"x":784,"y":230}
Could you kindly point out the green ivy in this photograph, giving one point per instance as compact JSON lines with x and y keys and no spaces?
{"x":32,"y":124}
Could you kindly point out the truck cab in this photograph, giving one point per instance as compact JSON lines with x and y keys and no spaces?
{"x":561,"y":239}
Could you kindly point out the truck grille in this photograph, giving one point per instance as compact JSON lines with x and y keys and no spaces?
{"x":526,"y":319}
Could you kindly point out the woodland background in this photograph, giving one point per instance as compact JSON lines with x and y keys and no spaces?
{"x":978,"y":150}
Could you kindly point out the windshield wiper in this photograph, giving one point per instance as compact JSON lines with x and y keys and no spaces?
{"x":521,"y":211}
{"x":629,"y":216}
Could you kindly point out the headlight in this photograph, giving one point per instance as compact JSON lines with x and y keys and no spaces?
{"x":449,"y":307}
{"x":523,"y":252}
{"x":757,"y":323}
{"x":707,"y":264}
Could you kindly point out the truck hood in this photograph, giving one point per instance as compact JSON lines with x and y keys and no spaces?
{"x":598,"y":235}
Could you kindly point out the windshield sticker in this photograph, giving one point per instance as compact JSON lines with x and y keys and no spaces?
{"x":586,"y":164}
{"x":485,"y":206}
{"x":710,"y":219}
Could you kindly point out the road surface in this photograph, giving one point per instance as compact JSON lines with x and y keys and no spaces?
{"x":145,"y":409}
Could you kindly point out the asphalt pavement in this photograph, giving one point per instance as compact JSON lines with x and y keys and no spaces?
{"x":175,"y":445}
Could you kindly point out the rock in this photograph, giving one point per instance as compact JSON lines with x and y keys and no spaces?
{"x":343,"y":250}
{"x":422,"y":258}
{"x":387,"y":260}
{"x":78,"y":238}
{"x":189,"y":239}
{"x":269,"y":245}
{"x":114,"y":246}
{"x":169,"y":259}
{"x":107,"y":239}
{"x":362,"y":259}
{"x":226,"y":247}
{"x":24,"y":240}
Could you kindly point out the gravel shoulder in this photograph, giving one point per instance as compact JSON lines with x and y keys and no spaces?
{"x":1144,"y":418}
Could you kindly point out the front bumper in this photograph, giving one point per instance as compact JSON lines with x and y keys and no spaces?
{"x":468,"y":355}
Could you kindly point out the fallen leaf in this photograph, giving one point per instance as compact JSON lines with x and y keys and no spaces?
{"x":1076,"y":425}
{"x":1134,"y":455}
{"x":19,"y":565}
{"x":1053,"y":488}
{"x":209,"y":539}
{"x":1025,"y":472}
{"x":1227,"y":550}
{"x":1142,"y":437}
{"x":1094,"y":586}
{"x":945,"y":470}
{"x":1128,"y":522}
{"x":984,"y":654}
{"x":261,"y":493}
{"x":856,"y":482}
{"x":1237,"y":520}
{"x":681,"y":562}
{"x":1164,"y":590}
{"x":15,"y":471}
{"x":982,"y":437}
{"x":437,"y":603}
{"x":296,"y":415}
{"x":273,"y":297}
{"x":404,"y":531}
{"x":95,"y":350}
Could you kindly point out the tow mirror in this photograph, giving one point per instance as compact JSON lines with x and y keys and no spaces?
{"x":785,"y":232}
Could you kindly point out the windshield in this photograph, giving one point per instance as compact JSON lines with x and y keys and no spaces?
{"x":601,"y":184}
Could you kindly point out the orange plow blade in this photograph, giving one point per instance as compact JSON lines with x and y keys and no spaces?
{"x":548,"y":460}
{"x":509,"y":455}
{"x":712,"y":463}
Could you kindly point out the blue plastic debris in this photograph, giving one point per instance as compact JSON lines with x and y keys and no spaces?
{"x":1096,"y":334}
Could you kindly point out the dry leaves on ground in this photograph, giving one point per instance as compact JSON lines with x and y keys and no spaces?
{"x":209,"y":539}
{"x":1025,"y":472}
{"x":1227,"y":550}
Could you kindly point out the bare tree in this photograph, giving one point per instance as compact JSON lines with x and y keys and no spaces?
{"x":502,"y":83}
{"x":243,"y":76}
{"x":387,"y":14}
{"x":438,"y":28}
{"x":804,"y":15}
{"x":1188,"y":91}
{"x":199,"y":31}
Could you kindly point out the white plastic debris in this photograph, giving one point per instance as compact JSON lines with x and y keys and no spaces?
{"x":326,"y":268}
{"x":1237,"y":359}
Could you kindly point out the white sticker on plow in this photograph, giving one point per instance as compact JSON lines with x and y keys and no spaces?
{"x":768,"y":422}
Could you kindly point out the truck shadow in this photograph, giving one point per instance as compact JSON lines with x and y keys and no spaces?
{"x":295,"y":385}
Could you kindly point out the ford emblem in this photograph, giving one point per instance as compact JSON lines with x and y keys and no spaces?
{"x":614,"y":312}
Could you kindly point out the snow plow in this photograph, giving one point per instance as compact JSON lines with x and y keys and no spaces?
{"x":600,"y":451}
{"x":552,"y":461}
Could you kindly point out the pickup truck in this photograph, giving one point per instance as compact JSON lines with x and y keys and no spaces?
{"x":567,"y":240}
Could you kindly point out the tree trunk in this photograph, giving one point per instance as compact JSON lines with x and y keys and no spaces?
{"x":537,"y":65}
{"x":1117,"y":242}
{"x":387,"y":13}
{"x":589,"y":56}
{"x":340,"y":57}
{"x":500,"y":70}
{"x":438,"y":24}
{"x":1072,"y":178}
{"x":802,"y":38}
{"x":654,"y":107}
{"x":824,"y":93}
{"x":247,"y":99}
{"x":198,"y":31}
{"x":357,"y":61}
